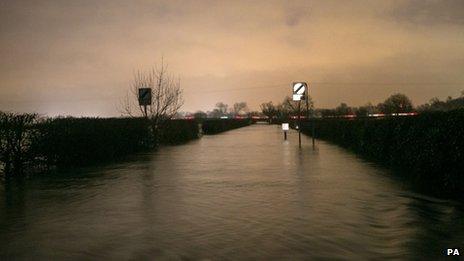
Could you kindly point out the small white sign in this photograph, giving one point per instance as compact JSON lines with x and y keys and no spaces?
{"x":296,"y":97}
{"x":285,"y":126}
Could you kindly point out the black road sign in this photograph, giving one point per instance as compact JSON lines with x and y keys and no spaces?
{"x":144,"y":96}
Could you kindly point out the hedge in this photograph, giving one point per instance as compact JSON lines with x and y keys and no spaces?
{"x":429,"y":147}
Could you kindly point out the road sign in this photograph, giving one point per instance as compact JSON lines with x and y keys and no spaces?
{"x":285,"y":129}
{"x":285,"y":126}
{"x":299,"y":89}
{"x":144,"y":96}
{"x":299,"y":93}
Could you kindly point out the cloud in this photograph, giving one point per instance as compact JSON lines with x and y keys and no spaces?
{"x":430,"y":12}
{"x":296,"y":12}
{"x":86,"y":51}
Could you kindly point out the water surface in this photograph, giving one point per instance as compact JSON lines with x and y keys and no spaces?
{"x":244,"y":194}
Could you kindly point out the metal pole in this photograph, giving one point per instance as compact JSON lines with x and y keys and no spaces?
{"x":145,"y":111}
{"x":307,"y":118}
{"x":285,"y":135}
{"x":307,"y":107}
{"x":299,"y":123}
{"x":314,"y":133}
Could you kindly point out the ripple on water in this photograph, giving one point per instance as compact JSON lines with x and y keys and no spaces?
{"x":244,"y":194}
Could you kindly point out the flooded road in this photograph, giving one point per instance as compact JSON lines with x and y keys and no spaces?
{"x":241,"y":195}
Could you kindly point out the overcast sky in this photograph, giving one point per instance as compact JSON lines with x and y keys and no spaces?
{"x":78,"y":57}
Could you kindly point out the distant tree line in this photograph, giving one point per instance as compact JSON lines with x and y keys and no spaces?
{"x":449,"y":104}
{"x":283,"y":111}
{"x":396,"y":103}
{"x":286,"y":109}
{"x":221,"y":109}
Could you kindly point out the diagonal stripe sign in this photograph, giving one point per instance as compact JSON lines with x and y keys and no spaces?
{"x":299,"y":89}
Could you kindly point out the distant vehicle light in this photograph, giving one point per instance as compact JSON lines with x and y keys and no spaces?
{"x":377,"y":115}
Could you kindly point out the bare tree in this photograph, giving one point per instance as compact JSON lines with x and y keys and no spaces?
{"x":269,"y":109}
{"x":291,"y":106}
{"x":220,"y":110}
{"x":166,"y":95}
{"x":240,"y":107}
{"x":222,"y":107}
{"x":15,"y":141}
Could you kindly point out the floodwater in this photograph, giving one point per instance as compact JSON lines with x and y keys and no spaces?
{"x":242,"y":195}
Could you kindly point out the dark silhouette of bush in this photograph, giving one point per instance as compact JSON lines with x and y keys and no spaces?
{"x":396,"y":103}
{"x":430,"y":146}
{"x":16,"y":134}
{"x":179,"y":131}
{"x":84,"y":141}
{"x":215,"y":126}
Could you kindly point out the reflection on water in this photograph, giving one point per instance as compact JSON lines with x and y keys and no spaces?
{"x":244,"y":194}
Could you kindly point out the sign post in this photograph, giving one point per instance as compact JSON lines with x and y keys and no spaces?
{"x":285,"y":129}
{"x":313,"y":130}
{"x":145,"y":99}
{"x":299,"y":93}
